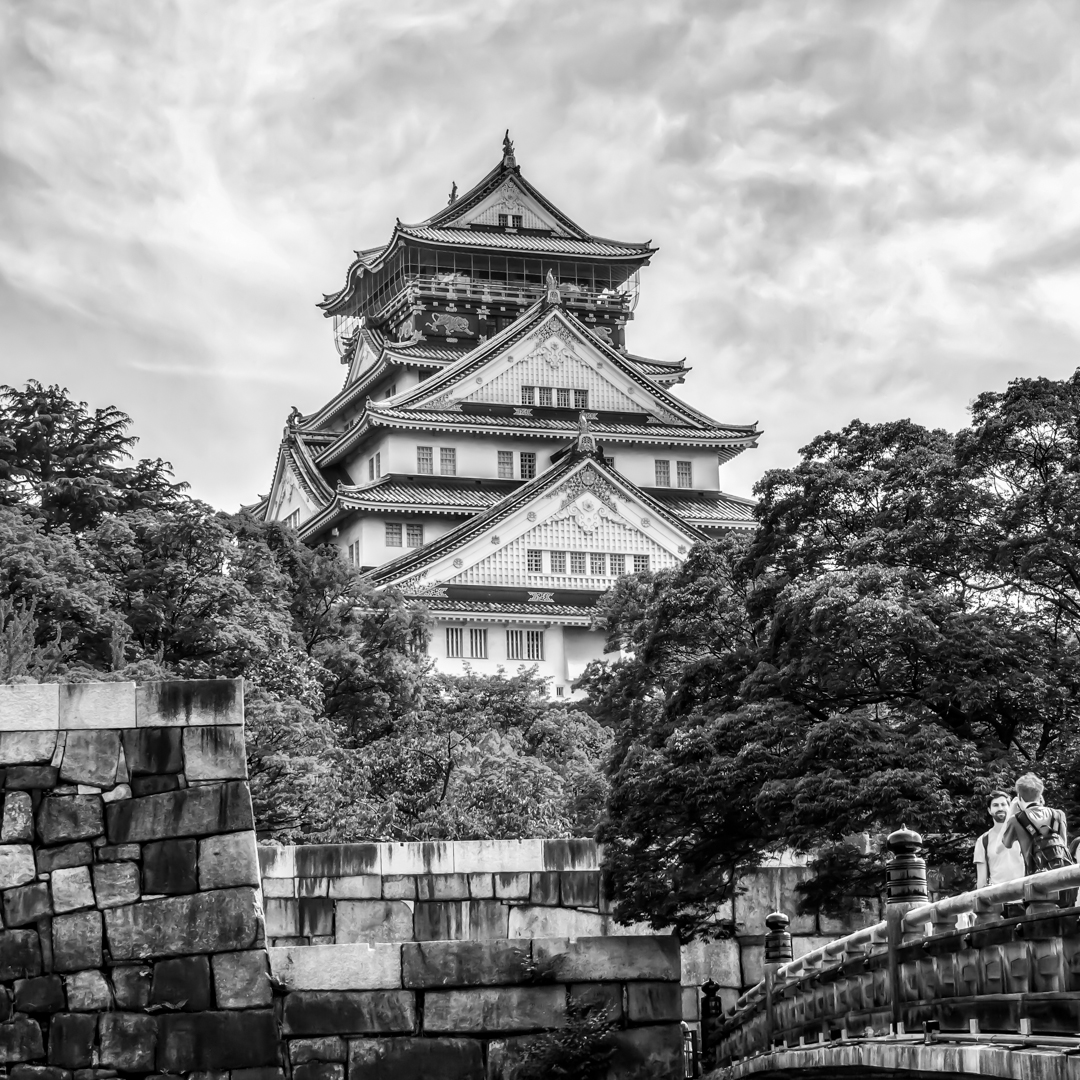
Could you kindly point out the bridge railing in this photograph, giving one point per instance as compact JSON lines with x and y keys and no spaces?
{"x":920,"y":970}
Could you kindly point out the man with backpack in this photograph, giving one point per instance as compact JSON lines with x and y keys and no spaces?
{"x":995,"y":863}
{"x":1040,"y":831}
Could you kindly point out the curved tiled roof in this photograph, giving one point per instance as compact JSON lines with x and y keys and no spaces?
{"x":712,"y":507}
{"x":439,"y":603}
{"x":554,"y":245}
{"x":434,"y":497}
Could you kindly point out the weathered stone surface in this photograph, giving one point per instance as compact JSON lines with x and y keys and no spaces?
{"x":348,"y":1012}
{"x":429,"y":857}
{"x":220,"y":921}
{"x":716,"y":960}
{"x":62,"y":818}
{"x":570,"y":855}
{"x":319,"y":1070}
{"x":277,"y":861}
{"x":153,"y":751}
{"x":44,"y":994}
{"x":30,"y":706}
{"x":196,"y":811}
{"x":228,"y":860}
{"x":282,"y":918}
{"x":647,"y":1053}
{"x":169,"y":867}
{"x":131,"y":984}
{"x":610,"y":959}
{"x":691,"y":1004}
{"x":771,"y":888}
{"x":416,"y":1058}
{"x":338,"y":967}
{"x":116,"y":883}
{"x":442,"y":887}
{"x":279,"y":888}
{"x":127,"y":1041}
{"x":752,"y":959}
{"x":71,"y":1040}
{"x":432,"y":964}
{"x":312,"y":886}
{"x":337,"y":860}
{"x":491,"y":1009}
{"x":71,"y":889}
{"x":498,"y":856}
{"x":481,"y":886}
{"x":399,"y":887}
{"x":323,"y":1048}
{"x":544,"y":888}
{"x":215,"y":753}
{"x":175,"y":703}
{"x":20,"y":954}
{"x":20,"y":1040}
{"x":579,"y":888}
{"x":373,"y":920}
{"x":29,"y":777}
{"x":18,"y":823}
{"x":76,"y":941}
{"x":216,"y":1040}
{"x":23,"y":1071}
{"x":653,"y":1002}
{"x":154,"y":785}
{"x":316,"y":916}
{"x":58,"y":858}
{"x":606,"y":996}
{"x":26,"y":747}
{"x":91,"y":757}
{"x":121,"y":791}
{"x":27,"y":904}
{"x":512,"y":886}
{"x":441,"y":920}
{"x":505,"y":1054}
{"x":97,"y":705}
{"x":266,"y":1072}
{"x":87,"y":991}
{"x":16,"y":865}
{"x":488,"y":919}
{"x":182,"y":983}
{"x":357,"y":887}
{"x":241,"y":979}
{"x":544,"y":922}
{"x":118,"y":852}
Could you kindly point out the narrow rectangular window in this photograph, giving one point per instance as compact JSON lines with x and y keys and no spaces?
{"x":292,"y":520}
{"x":562,"y":398}
{"x":535,"y":562}
{"x":516,"y":219}
{"x":558,"y":562}
{"x":515,"y":645}
{"x":478,"y":644}
{"x":447,"y":461}
{"x":663,"y":473}
{"x":390,"y":391}
{"x":534,"y":644}
{"x":577,"y":562}
{"x":545,"y":395}
{"x":641,"y":564}
{"x":378,"y":464}
{"x":414,"y":535}
{"x":581,"y":399}
{"x":618,"y":565}
{"x":598,"y":563}
{"x":455,"y":641}
{"x":425,"y":459}
{"x":504,"y":220}
{"x":371,"y":468}
{"x":506,"y":464}
{"x":527,"y":464}
{"x":528,"y":395}
{"x":684,"y":474}
{"x":393,"y":534}
{"x":560,"y":691}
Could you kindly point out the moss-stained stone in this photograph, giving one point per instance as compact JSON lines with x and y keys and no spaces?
{"x":71,"y":1040}
{"x":428,"y":857}
{"x":316,"y":916}
{"x":214,"y":753}
{"x":604,"y":959}
{"x":399,"y":887}
{"x":337,"y":860}
{"x":170,"y":867}
{"x":128,"y":1041}
{"x":494,"y":1009}
{"x":62,"y":818}
{"x":442,"y":887}
{"x":600,"y":996}
{"x":441,"y":920}
{"x":355,"y":887}
{"x":512,"y":886}
{"x":90,"y":757}
{"x":241,"y":979}
{"x":481,"y":886}
{"x":653,"y":1002}
{"x":27,"y":904}
{"x":131,"y":984}
{"x":182,"y":983}
{"x":27,"y":747}
{"x":416,"y":1058}
{"x":153,"y":751}
{"x":282,"y":917}
{"x":647,"y":1053}
{"x":44,"y":994}
{"x":570,"y":855}
{"x":348,"y":1012}
{"x":76,"y":941}
{"x":177,"y":703}
{"x":77,"y":854}
{"x":30,"y":777}
{"x":438,"y":964}
{"x":228,"y":860}
{"x":18,"y":822}
{"x":20,"y":1040}
{"x":580,"y":888}
{"x":189,"y":1042}
{"x":328,"y":1048}
{"x":544,"y":889}
{"x":197,"y":811}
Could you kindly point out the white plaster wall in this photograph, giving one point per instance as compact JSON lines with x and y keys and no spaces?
{"x":370,"y":530}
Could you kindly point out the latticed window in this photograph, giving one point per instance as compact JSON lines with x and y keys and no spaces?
{"x":545,"y":395}
{"x":528,"y":464}
{"x":535,"y":562}
{"x":598,"y":563}
{"x":684,"y":474}
{"x":562,"y":398}
{"x":577,"y":562}
{"x":525,"y":644}
{"x":618,"y":565}
{"x":504,"y":220}
{"x":558,"y":562}
{"x":414,"y":536}
{"x":425,"y":460}
{"x":528,"y":395}
{"x":581,"y":399}
{"x":560,"y":691}
{"x":641,"y":564}
{"x":534,"y":644}
{"x":292,"y":520}
{"x":506,"y":464}
{"x":393,"y":534}
{"x":516,"y":219}
{"x":448,"y":461}
{"x":663,"y":473}
{"x":478,"y":644}
{"x":455,"y":641}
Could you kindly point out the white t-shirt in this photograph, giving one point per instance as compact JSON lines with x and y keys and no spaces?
{"x":1005,"y":863}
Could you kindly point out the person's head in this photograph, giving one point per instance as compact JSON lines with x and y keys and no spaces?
{"x":997,"y":804}
{"x":1029,"y":787}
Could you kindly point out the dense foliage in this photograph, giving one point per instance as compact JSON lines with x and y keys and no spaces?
{"x":109,"y":571}
{"x":897,"y":637}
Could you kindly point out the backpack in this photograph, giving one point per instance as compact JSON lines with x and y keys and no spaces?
{"x":1048,"y":849}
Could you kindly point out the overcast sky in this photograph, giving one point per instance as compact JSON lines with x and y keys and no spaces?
{"x":863,"y":209}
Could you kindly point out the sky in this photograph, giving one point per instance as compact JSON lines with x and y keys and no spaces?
{"x":863,"y":209}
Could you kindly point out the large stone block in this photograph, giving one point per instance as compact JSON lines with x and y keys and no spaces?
{"x":647,"y":1053}
{"x":215,"y":753}
{"x":116,"y":883}
{"x":282,"y":917}
{"x":71,"y":889}
{"x":399,"y":887}
{"x":570,"y":855}
{"x":196,"y":811}
{"x":544,"y":888}
{"x":44,"y":994}
{"x":356,"y":887}
{"x":602,"y":996}
{"x":430,"y":857}
{"x":16,"y":865}
{"x":188,"y":1042}
{"x":488,"y":919}
{"x":18,"y":823}
{"x":481,"y":886}
{"x":27,"y":904}
{"x":131,"y":984}
{"x":177,"y":703}
{"x":225,"y":920}
{"x":338,"y":967}
{"x":316,"y":916}
{"x":242,"y":979}
{"x":87,"y":991}
{"x":71,"y":1040}
{"x":277,"y":861}
{"x":20,"y":954}
{"x":20,"y":1040}
{"x":373,"y":920}
{"x":715,"y":960}
{"x":489,"y":1009}
{"x":29,"y":706}
{"x":91,"y":757}
{"x":76,"y":941}
{"x":26,"y":747}
{"x":58,"y":858}
{"x":434,"y":964}
{"x":170,"y":867}
{"x":62,"y":818}
{"x":442,"y":887}
{"x":550,"y":922}
{"x":327,"y":1048}
{"x":182,"y":983}
{"x":415,"y":1058}
{"x":610,"y":959}
{"x":228,"y":860}
{"x":498,"y":856}
{"x":653,"y":1002}
{"x":513,"y":886}
{"x":154,"y":751}
{"x":128,"y":1041}
{"x":441,"y":920}
{"x":348,"y":1012}
{"x":768,"y":889}
{"x":580,"y":888}
{"x":280,"y":888}
{"x":30,"y":777}
{"x":97,"y":705}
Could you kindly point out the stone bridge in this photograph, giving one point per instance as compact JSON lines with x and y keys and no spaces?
{"x":952,"y":988}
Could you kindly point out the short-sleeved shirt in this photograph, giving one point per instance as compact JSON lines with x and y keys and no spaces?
{"x":1002,"y":863}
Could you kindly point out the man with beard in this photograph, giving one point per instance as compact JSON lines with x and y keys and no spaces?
{"x":994,"y":862}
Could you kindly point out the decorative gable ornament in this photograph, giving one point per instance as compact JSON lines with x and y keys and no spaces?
{"x":587,"y":513}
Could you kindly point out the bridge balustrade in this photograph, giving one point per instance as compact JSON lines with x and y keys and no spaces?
{"x":918,"y":970}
